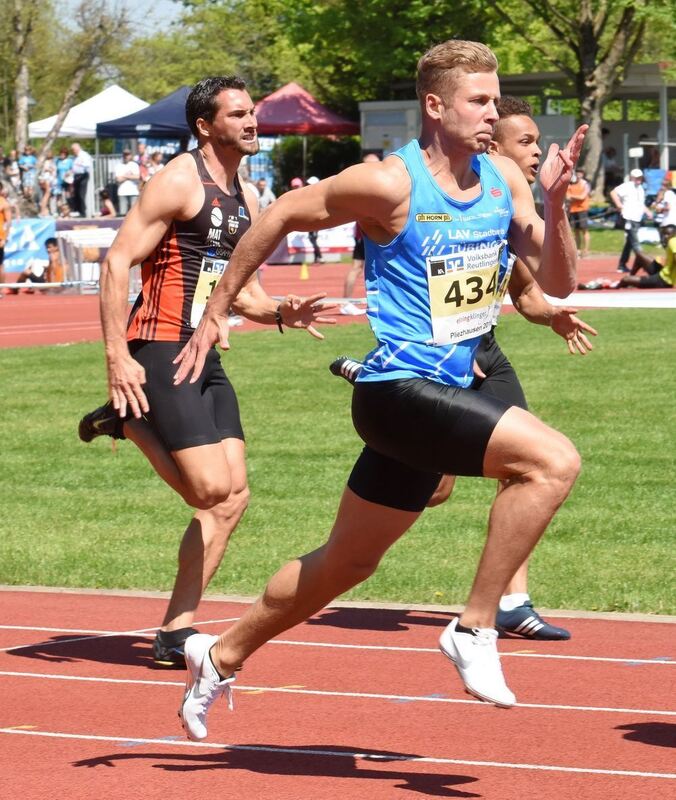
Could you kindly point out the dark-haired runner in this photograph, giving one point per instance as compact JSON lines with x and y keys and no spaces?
{"x":183,"y":230}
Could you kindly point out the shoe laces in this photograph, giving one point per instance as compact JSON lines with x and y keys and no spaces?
{"x":484,"y":637}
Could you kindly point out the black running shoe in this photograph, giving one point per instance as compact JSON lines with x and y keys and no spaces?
{"x":102,"y":421}
{"x":525,"y":621}
{"x":348,"y":368}
{"x":168,"y":648}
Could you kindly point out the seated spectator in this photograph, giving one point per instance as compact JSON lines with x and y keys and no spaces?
{"x":39,"y":271}
{"x":665,"y":204}
{"x":106,"y":209}
{"x":659,"y":275}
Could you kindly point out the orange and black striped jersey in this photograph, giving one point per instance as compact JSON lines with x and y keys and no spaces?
{"x":184,"y":268}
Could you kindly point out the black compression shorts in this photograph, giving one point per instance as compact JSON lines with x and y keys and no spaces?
{"x":187,"y":415}
{"x":416,"y":430}
{"x":501,"y":379}
{"x":358,"y":253}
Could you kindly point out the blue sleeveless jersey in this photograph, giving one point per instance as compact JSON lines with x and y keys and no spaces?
{"x":436,"y":287}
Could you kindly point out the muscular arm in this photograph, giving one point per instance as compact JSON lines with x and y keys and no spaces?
{"x":148,"y":220}
{"x":546,"y":246}
{"x":374,"y":194}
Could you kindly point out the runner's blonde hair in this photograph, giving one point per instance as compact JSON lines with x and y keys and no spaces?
{"x":440,"y":65}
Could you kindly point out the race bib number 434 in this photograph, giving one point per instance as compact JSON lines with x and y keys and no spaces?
{"x":462,"y":292}
{"x":210,"y":274}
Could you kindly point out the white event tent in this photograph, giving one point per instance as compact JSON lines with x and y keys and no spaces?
{"x":82,"y":119}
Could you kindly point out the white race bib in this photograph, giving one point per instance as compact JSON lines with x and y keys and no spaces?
{"x":463,"y":288}
{"x":211,"y":271}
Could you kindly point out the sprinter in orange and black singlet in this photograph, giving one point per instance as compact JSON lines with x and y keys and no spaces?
{"x":184,"y":268}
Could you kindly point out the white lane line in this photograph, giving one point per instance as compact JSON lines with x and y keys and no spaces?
{"x":502,"y":654}
{"x":362,"y":756}
{"x":399,"y":698}
{"x":95,"y":634}
{"x":659,"y":660}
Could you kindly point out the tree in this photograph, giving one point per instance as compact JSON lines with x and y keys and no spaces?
{"x":98,"y":27}
{"x":23,"y":21}
{"x":593,"y":42}
{"x":369,"y":51}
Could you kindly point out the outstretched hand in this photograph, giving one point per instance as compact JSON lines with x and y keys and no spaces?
{"x":572,"y":329}
{"x":126,"y":378}
{"x":302,"y":312}
{"x":211,"y":329}
{"x":559,"y":166}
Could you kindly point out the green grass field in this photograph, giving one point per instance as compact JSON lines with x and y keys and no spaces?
{"x":82,"y":516}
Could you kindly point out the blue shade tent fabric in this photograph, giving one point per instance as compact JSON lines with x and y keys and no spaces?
{"x":164,"y":119}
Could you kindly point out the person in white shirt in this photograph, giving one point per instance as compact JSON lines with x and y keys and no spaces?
{"x":265,"y":193}
{"x":128,"y":177}
{"x":629,"y":199}
{"x":82,"y":167}
{"x":666,"y":204}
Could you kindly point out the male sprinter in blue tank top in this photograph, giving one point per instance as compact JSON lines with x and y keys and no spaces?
{"x":516,"y":136}
{"x":437,"y":217}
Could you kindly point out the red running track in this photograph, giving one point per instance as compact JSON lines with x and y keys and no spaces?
{"x":39,"y":319}
{"x":356,"y":704}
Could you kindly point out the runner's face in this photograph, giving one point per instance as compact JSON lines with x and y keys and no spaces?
{"x":520,"y":141}
{"x":235,"y":123}
{"x":468,"y":112}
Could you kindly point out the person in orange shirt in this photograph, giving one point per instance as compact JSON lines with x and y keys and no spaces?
{"x":577,"y":198}
{"x":5,"y":222}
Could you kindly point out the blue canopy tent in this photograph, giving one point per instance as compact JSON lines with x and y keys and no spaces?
{"x":164,"y":119}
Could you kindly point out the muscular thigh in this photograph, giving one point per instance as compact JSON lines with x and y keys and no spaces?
{"x":187,"y":415}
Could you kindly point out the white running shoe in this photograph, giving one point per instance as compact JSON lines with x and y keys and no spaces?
{"x":351,"y":310}
{"x":476,"y":658}
{"x":203,"y":685}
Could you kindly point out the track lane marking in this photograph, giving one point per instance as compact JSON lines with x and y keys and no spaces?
{"x":96,"y":634}
{"x":661,"y":661}
{"x":363,"y":756}
{"x":401,"y":698}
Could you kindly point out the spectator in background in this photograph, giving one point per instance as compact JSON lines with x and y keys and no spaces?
{"x":665,"y":203}
{"x":28,"y":169}
{"x":265,"y":193}
{"x":629,"y":199}
{"x":64,"y":176}
{"x":12,"y":172}
{"x":660,"y":275}
{"x":5,"y":222}
{"x":245,"y":180}
{"x":154,"y":166}
{"x":46,"y":182}
{"x":143,"y":160}
{"x":577,"y":198}
{"x":106,"y":208}
{"x":82,"y":167}
{"x":128,"y":177}
{"x":651,"y":155}
{"x":313,"y":236}
{"x":611,"y":169}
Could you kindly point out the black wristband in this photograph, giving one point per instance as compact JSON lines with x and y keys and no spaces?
{"x":278,"y":319}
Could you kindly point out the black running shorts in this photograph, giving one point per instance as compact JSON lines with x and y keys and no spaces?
{"x":190,"y":414}
{"x":501,"y":380}
{"x":416,"y":430}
